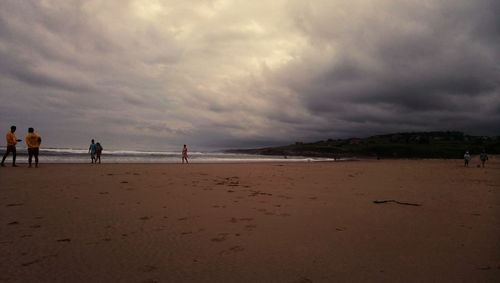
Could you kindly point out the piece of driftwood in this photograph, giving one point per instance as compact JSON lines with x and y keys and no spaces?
{"x":395,"y":201}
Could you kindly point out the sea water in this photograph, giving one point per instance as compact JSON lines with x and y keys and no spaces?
{"x":68,"y":155}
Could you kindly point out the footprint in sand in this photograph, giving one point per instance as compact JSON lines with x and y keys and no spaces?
{"x":30,"y":262}
{"x":237,"y":249}
{"x":38,"y":260}
{"x":303,"y":280}
{"x":64,"y":240}
{"x":254,"y":193}
{"x":15,"y":204}
{"x":220,"y":238}
{"x":145,"y":218}
{"x":124,"y":182}
{"x":232,"y":250}
{"x":103,"y":193}
{"x":13,"y":223}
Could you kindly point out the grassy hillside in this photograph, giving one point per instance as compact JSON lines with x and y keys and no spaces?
{"x":399,"y":145}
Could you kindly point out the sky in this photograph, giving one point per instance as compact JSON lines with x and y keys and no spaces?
{"x":239,"y":74}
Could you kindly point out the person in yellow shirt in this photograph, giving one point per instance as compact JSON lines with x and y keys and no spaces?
{"x":11,"y":146}
{"x":33,"y":141}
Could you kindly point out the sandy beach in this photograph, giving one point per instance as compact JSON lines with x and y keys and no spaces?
{"x":262,"y":222}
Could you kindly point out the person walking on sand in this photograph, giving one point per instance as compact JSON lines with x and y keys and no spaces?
{"x":466,"y":159}
{"x":185,"y":154}
{"x":92,"y":151}
{"x":33,"y":141}
{"x":98,"y":152}
{"x":483,"y":158}
{"x":11,"y":146}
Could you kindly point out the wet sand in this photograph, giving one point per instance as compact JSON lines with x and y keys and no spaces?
{"x":288,"y":222}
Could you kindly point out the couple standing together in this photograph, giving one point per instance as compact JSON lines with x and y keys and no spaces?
{"x":33,"y":141}
{"x":95,"y":151}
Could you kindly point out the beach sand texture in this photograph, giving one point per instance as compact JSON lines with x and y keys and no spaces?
{"x":289,"y":222}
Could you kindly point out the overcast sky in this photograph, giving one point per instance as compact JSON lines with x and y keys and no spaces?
{"x":155,"y":74}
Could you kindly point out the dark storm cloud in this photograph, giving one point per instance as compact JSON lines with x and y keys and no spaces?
{"x":411,"y":69}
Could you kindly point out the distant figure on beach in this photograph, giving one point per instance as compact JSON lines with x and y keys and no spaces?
{"x":98,"y":151}
{"x":11,"y":146}
{"x":185,"y":154}
{"x":33,"y":141}
{"x":92,"y":151}
{"x":483,"y":158}
{"x":466,"y":159}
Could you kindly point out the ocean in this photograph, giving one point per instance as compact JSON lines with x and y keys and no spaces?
{"x":66,"y":155}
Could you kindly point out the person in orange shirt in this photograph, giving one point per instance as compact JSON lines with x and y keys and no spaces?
{"x":11,"y":146}
{"x":33,"y":141}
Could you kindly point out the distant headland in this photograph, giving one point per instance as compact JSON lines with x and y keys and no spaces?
{"x":443,"y":144}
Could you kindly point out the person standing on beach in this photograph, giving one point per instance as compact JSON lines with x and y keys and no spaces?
{"x":185,"y":154}
{"x":33,"y":141}
{"x":92,"y":151}
{"x":98,"y":152}
{"x":483,"y":158}
{"x":466,"y":159}
{"x":11,"y":146}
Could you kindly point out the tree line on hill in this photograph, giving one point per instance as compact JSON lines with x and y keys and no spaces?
{"x":449,"y":144}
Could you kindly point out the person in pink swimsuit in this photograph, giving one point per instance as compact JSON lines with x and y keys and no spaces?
{"x":185,"y":154}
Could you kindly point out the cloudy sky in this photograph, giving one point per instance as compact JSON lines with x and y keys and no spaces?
{"x":155,"y":74}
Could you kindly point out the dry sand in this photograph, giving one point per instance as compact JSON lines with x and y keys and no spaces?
{"x":303,"y":222}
